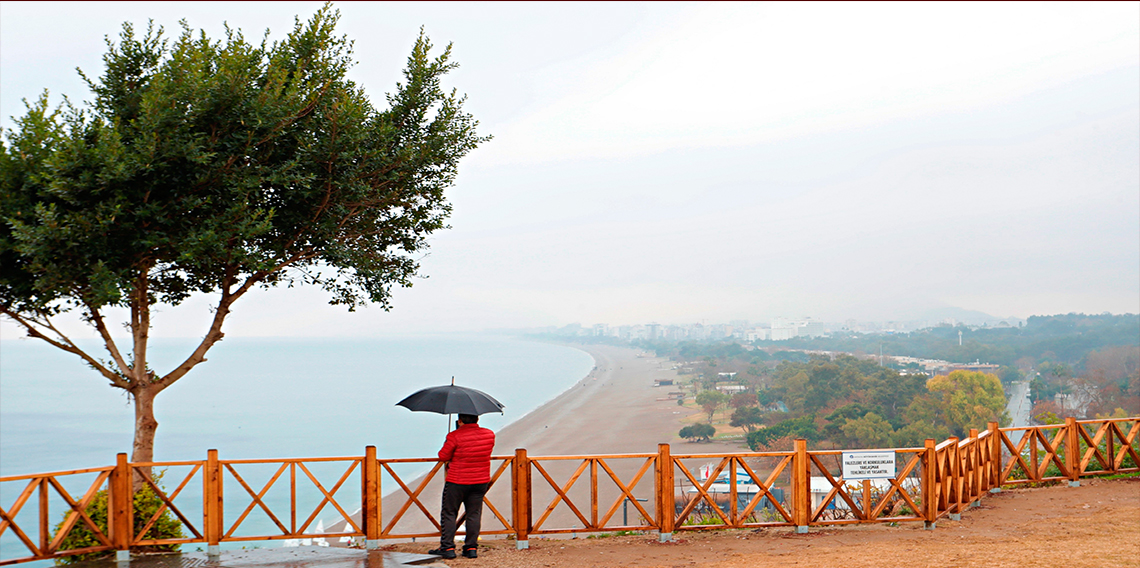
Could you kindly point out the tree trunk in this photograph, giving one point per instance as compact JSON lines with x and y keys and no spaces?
{"x":145,"y":426}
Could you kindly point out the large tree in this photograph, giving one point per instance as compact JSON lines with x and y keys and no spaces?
{"x":213,"y":167}
{"x":969,"y":399}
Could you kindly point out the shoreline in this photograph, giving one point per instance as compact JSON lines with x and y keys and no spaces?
{"x":614,"y":409}
{"x":617,"y":407}
{"x":551,"y":400}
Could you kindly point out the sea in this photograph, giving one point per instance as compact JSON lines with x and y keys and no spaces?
{"x":257,"y":398}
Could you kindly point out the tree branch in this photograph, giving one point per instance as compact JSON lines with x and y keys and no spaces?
{"x":65,"y":344}
{"x":97,"y":318}
{"x":215,"y":334}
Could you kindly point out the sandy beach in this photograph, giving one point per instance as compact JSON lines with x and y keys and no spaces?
{"x":612,"y":410}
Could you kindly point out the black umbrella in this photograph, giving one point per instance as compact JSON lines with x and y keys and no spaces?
{"x":450,"y":399}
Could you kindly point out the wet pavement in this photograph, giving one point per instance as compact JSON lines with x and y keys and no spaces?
{"x":291,"y":557}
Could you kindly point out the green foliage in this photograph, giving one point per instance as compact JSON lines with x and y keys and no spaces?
{"x":970,"y":400}
{"x":915,"y":434}
{"x":618,"y":533}
{"x":1008,"y":374}
{"x":747,"y":417}
{"x":700,"y":432}
{"x":765,"y":397}
{"x":710,"y":400}
{"x":835,"y":421}
{"x":204,"y":160}
{"x":870,"y":431}
{"x":1059,"y":338}
{"x":146,"y":504}
{"x":742,"y":399}
{"x":703,"y":519}
{"x":1130,"y":475}
{"x":802,"y":427}
{"x":729,"y":350}
{"x":823,"y":383}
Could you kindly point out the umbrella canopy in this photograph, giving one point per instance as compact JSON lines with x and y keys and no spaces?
{"x":450,"y":399}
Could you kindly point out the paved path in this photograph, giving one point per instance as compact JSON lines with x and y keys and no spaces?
{"x":294,"y":557}
{"x":1019,"y":408}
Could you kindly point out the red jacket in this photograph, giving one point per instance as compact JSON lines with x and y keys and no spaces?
{"x":468,"y":448}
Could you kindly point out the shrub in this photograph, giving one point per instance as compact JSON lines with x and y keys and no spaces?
{"x":698,"y":431}
{"x":704,"y":518}
{"x":146,"y":504}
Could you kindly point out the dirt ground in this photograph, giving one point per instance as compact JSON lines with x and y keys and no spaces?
{"x":1096,"y":525}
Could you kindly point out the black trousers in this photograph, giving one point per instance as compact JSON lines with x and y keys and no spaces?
{"x":471,"y":497}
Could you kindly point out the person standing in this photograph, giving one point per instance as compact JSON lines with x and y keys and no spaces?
{"x":467,"y":454}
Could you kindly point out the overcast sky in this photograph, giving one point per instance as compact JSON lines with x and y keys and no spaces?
{"x":705,"y":162}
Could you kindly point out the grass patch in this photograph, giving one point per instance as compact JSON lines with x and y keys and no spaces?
{"x":1129,"y":475}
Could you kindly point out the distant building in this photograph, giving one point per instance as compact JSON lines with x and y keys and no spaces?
{"x":759,"y":334}
{"x":731,"y":389}
{"x":653,"y":331}
{"x":975,"y":367}
{"x":811,"y":328}
{"x":784,"y":329}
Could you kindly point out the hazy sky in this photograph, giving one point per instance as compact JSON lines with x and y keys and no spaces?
{"x":687,"y":162}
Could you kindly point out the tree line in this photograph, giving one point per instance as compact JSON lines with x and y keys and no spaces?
{"x":1092,"y":361}
{"x":1063,"y":338}
{"x":849,"y":402}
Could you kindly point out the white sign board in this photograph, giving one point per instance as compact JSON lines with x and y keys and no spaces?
{"x":874,"y":464}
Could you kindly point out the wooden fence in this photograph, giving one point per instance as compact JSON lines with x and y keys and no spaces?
{"x":550,"y":494}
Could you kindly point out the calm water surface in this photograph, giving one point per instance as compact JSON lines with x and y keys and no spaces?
{"x":267,"y":398}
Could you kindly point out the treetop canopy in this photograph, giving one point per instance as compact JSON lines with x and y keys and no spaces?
{"x":204,"y":164}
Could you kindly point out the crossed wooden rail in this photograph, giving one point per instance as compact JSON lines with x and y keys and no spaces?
{"x":577,"y":494}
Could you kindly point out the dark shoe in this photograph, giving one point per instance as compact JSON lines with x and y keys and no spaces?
{"x":470,"y":553}
{"x":447,"y":553}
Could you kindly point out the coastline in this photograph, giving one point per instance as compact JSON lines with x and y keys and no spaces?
{"x":614,"y":409}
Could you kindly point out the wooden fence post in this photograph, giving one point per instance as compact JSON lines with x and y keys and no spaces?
{"x":122,"y":523}
{"x":1109,"y":446}
{"x":930,"y":485}
{"x":985,"y":472}
{"x":974,"y":462}
{"x":212,"y":507}
{"x":801,"y":488}
{"x":666,"y":496}
{"x":1072,"y":451}
{"x":520,"y":498}
{"x":996,"y":446}
{"x":370,"y":499}
{"x":45,"y":532}
{"x":955,"y":479}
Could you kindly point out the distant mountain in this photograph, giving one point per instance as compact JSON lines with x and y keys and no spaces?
{"x":964,"y":316}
